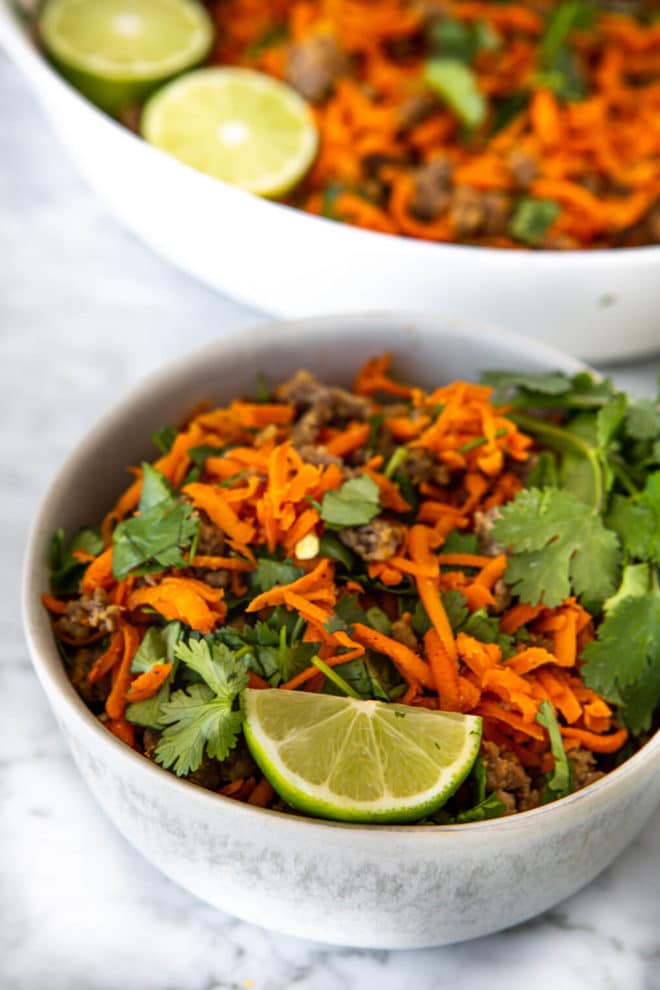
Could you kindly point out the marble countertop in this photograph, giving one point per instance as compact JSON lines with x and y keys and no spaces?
{"x":85,"y":311}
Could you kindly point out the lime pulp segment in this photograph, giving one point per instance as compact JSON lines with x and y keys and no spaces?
{"x":362,"y":761}
{"x":236,"y":125}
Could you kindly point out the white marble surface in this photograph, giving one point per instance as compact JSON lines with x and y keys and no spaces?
{"x":84,"y":312}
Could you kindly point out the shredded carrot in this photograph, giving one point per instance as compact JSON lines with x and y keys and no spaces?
{"x":262,"y":794}
{"x":109,"y":658}
{"x":99,"y":573}
{"x":596,"y":743}
{"x":445,"y":672}
{"x":407,"y":662}
{"x":116,"y":700}
{"x":54,"y":605}
{"x":123,"y":730}
{"x":147,"y":684}
{"x":185,"y":599}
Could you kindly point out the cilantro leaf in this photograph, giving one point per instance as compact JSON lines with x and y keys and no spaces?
{"x":201,"y":717}
{"x":270,"y":573}
{"x":155,"y":538}
{"x":458,"y":542}
{"x":531,"y":220}
{"x":545,"y":382}
{"x":275,"y":650}
{"x":560,"y":782}
{"x":623,"y":662}
{"x":65,"y":570}
{"x":507,"y":108}
{"x":164,"y":438}
{"x":457,"y":39}
{"x":636,"y":580}
{"x":609,"y":419}
{"x":549,"y":390}
{"x":331,"y":546}
{"x":157,"y":646}
{"x":490,"y":807}
{"x":371,"y":677}
{"x":215,"y":664}
{"x":643,"y":420}
{"x":198,"y":455}
{"x":558,"y":548}
{"x":356,"y":503}
{"x":457,"y":85}
{"x":637,"y":521}
{"x":196,"y":720}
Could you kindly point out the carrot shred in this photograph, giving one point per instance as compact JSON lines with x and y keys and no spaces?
{"x":406,"y":661}
{"x":445,"y":672}
{"x":185,"y":599}
{"x":123,"y":730}
{"x":147,"y":684}
{"x":115,"y":704}
{"x":597,"y":744}
{"x":262,"y":794}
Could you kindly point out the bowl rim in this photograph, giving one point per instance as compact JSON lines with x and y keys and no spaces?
{"x":41,"y":643}
{"x":26,"y":53}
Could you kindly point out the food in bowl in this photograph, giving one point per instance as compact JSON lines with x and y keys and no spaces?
{"x":480,"y":556}
{"x":504,"y":125}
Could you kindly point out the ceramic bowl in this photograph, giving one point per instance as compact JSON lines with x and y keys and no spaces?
{"x":378,"y":886}
{"x":601,"y":305}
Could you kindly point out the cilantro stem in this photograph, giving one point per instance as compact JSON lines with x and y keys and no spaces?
{"x":243,"y":652}
{"x":297,"y":629}
{"x":335,"y":678}
{"x":479,"y":442}
{"x":554,"y":434}
{"x":395,"y":461}
{"x":622,"y":476}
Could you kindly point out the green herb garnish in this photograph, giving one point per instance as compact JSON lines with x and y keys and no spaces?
{"x":202,"y":718}
{"x":356,"y":503}
{"x":456,"y":84}
{"x":532,"y":219}
{"x":158,"y":535}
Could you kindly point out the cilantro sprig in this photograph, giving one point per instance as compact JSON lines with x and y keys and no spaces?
{"x":203,"y":718}
{"x":590,"y":525}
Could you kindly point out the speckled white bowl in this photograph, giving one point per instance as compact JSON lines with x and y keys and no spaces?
{"x":380,"y":886}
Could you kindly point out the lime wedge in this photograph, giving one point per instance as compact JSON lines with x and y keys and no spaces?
{"x":117,"y":51}
{"x":236,"y":125}
{"x":358,"y":761}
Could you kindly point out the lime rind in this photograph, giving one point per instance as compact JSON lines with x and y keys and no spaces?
{"x":162,"y":39}
{"x":354,"y":761}
{"x":190,"y":22}
{"x":236,"y":125}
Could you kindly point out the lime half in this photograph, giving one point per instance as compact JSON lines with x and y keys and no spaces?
{"x":359,"y":761}
{"x":117,"y":51}
{"x":236,"y":125}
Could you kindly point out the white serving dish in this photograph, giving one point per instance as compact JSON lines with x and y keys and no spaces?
{"x":601,"y":305}
{"x":379,"y":886}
